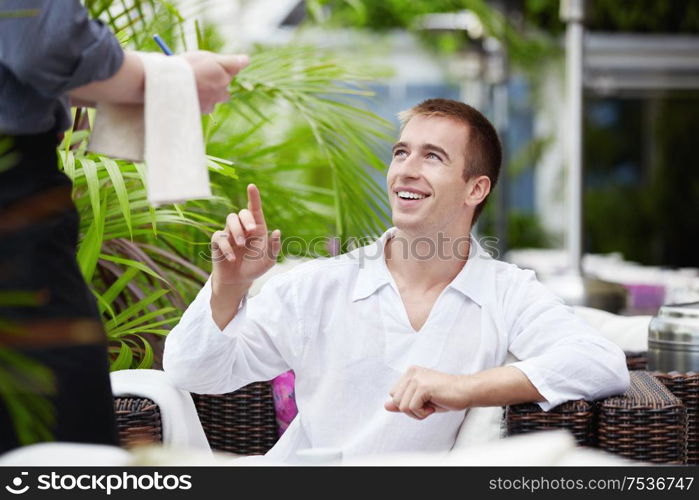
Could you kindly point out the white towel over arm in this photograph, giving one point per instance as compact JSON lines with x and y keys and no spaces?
{"x":165,"y":131}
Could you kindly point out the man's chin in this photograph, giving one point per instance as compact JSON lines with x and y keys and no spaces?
{"x":409,"y":224}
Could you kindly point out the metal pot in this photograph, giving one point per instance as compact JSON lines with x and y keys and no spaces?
{"x":673,"y":339}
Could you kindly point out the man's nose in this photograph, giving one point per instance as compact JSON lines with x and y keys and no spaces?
{"x":411,"y":166}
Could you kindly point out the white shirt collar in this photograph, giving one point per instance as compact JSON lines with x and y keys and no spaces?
{"x":475,"y":280}
{"x":373,"y":272}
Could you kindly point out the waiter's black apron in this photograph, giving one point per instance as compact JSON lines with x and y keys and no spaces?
{"x":63,"y":330}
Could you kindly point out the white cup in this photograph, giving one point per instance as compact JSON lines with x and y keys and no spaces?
{"x":319,"y":456}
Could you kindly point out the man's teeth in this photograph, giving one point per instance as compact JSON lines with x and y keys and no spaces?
{"x":411,"y":196}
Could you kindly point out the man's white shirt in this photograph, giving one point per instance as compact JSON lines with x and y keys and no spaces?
{"x":341,"y":325}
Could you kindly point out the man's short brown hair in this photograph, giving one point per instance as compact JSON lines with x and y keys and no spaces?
{"x":484,"y":152}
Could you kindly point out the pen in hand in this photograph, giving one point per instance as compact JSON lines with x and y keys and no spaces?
{"x":163,"y":46}
{"x":201,"y":62}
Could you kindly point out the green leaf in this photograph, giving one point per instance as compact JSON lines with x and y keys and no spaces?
{"x":147,"y":359}
{"x":19,"y":298}
{"x":89,"y":169}
{"x":124,"y":359}
{"x":141,"y":170}
{"x":134,"y":309}
{"x":91,"y":244}
{"x":68,"y":163}
{"x":116,"y":288}
{"x":133,"y":264}
{"x":102,"y":304}
{"x":24,"y":387}
{"x":120,"y":188}
{"x":129,"y":327}
{"x":154,"y":331}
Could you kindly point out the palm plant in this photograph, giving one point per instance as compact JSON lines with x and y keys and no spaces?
{"x":7,"y":156}
{"x":294,"y":126}
{"x":24,"y":383}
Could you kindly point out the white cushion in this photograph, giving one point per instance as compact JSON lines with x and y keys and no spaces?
{"x":630,"y":333}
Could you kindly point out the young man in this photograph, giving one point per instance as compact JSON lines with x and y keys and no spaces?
{"x":419,"y":323}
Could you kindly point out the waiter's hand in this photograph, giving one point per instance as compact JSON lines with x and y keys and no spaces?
{"x":213,"y":73}
{"x":420,"y":392}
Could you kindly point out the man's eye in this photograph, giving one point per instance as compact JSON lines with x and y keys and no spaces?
{"x":400,"y":152}
{"x":433,"y":156}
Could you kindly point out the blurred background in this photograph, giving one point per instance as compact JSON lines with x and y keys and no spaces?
{"x":596,"y":103}
{"x":639,"y":186}
{"x":611,"y":223}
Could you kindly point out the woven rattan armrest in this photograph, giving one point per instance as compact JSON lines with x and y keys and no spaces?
{"x":646,"y":423}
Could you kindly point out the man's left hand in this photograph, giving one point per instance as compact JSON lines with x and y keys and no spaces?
{"x":420,"y":392}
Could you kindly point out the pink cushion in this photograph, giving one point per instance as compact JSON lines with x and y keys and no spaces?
{"x":284,"y":399}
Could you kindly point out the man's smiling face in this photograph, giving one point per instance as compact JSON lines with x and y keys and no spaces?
{"x":426,"y":187}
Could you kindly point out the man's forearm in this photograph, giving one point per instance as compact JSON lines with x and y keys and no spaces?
{"x":422,"y":391}
{"x":125,"y":86}
{"x":501,"y":386}
{"x":225,"y":301}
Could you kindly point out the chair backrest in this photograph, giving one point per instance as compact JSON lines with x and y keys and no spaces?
{"x":241,"y":422}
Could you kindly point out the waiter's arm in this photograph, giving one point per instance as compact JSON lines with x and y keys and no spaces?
{"x":125,"y":86}
{"x":212,"y":74}
{"x":59,"y":50}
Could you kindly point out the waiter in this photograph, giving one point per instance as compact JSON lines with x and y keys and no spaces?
{"x":52,"y":53}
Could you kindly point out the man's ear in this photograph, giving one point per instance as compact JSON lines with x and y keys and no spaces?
{"x":477,"y":188}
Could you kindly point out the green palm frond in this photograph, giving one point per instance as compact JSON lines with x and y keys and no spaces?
{"x":295,"y":126}
{"x":24,"y":389}
{"x":8,"y":157}
{"x":135,"y":21}
{"x":321,"y":97}
{"x":25,"y":384}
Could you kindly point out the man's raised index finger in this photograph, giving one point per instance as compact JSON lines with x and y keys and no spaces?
{"x":255,"y":204}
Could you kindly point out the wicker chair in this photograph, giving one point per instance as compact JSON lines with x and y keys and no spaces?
{"x":639,"y":424}
{"x":647,"y":422}
{"x":241,"y":422}
{"x":683,"y":385}
{"x":686,"y":387}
